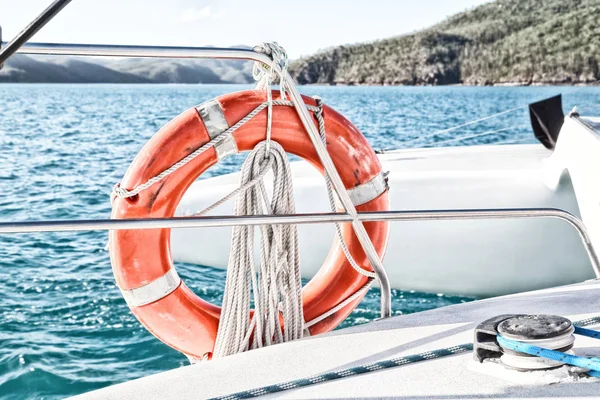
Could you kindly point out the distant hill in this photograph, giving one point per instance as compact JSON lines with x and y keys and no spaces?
{"x":185,"y":70}
{"x":20,"y":68}
{"x":503,"y":42}
{"x":53,"y":69}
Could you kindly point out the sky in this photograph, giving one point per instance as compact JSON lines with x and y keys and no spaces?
{"x":302,"y":26}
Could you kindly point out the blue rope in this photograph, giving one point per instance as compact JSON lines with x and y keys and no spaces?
{"x":587,"y":332}
{"x":592,"y":363}
{"x":397,"y":362}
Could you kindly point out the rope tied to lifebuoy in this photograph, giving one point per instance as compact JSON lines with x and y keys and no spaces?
{"x":275,"y":286}
{"x":228,"y":341}
{"x":265,"y":75}
{"x":120,"y":192}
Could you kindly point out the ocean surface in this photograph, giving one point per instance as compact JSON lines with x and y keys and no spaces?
{"x":64,"y":327}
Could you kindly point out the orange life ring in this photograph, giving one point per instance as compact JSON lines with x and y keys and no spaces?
{"x":142,"y":261}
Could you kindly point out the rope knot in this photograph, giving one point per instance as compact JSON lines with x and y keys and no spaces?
{"x":319,"y":110}
{"x":120,"y":192}
{"x":266,"y":74}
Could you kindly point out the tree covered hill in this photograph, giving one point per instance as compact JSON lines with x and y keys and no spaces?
{"x":502,"y":42}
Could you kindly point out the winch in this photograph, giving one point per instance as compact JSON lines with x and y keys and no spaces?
{"x":532,"y":343}
{"x":545,"y":331}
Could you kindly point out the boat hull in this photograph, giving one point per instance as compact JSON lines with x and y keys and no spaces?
{"x":475,"y":257}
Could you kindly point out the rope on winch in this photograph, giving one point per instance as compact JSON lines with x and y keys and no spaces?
{"x":276,"y":286}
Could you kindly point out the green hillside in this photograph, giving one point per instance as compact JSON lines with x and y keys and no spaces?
{"x":502,"y":42}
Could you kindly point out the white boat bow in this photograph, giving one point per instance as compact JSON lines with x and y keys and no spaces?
{"x":476,"y":257}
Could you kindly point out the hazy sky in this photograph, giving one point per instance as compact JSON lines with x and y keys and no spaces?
{"x":302,"y":26}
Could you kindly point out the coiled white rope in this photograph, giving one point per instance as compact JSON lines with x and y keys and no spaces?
{"x":276,"y":287}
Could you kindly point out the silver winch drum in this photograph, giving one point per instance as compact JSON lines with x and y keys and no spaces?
{"x":546,"y":331}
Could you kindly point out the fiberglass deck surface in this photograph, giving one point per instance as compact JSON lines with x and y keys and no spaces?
{"x":454,"y":377}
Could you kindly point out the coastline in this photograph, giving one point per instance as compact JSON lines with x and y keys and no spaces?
{"x":462,"y":84}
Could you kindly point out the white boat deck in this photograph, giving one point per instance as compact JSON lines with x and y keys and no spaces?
{"x":454,"y":377}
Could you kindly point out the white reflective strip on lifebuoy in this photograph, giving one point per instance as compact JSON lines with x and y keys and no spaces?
{"x":213,"y":118}
{"x":226,"y":147}
{"x":215,"y":123}
{"x":368,"y":191}
{"x":152,"y":291}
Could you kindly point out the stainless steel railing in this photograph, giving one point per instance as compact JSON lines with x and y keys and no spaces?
{"x":350,"y":216}
{"x":314,"y":218}
{"x":295,"y":97}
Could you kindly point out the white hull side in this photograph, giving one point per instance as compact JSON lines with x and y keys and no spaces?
{"x":480,"y":258}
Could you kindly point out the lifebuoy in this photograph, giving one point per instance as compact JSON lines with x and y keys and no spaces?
{"x":142,"y":261}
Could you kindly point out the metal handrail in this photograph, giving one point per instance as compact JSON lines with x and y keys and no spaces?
{"x":115,"y":50}
{"x":296,"y":98}
{"x":350,"y":216}
{"x":313,"y":218}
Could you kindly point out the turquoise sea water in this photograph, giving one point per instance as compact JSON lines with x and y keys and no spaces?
{"x":64,"y":328}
